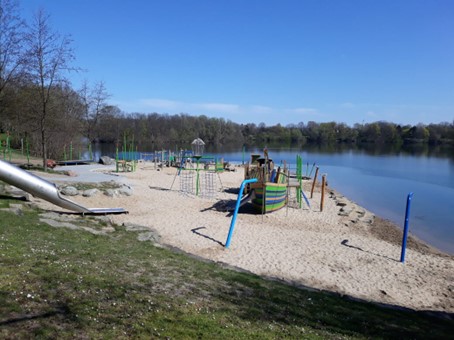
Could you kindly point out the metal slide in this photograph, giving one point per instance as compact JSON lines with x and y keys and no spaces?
{"x":48,"y":191}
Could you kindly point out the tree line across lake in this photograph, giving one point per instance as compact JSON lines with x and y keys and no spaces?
{"x":39,"y":105}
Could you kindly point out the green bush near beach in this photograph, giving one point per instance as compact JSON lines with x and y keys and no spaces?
{"x":64,"y":283}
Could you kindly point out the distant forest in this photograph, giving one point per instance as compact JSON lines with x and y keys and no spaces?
{"x":168,"y":130}
{"x":39,"y":107}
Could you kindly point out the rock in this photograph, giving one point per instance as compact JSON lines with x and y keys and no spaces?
{"x":152,"y":236}
{"x":93,"y":231}
{"x":342,"y":203}
{"x":59,"y":224}
{"x":361,"y":212}
{"x":105,"y":219}
{"x":134,"y":227}
{"x":125,"y":190}
{"x":110,"y":192}
{"x":16,"y":206}
{"x":16,"y":209}
{"x":108,"y":229}
{"x":90,"y":192}
{"x":58,"y":217}
{"x":345,"y":211}
{"x":31,"y":205}
{"x":106,"y":160}
{"x":16,"y":193}
{"x":69,"y":191}
{"x":369,"y":220}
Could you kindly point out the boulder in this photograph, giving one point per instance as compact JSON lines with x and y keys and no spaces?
{"x":90,"y":192}
{"x":106,"y":160}
{"x":110,"y":192}
{"x":69,"y":191}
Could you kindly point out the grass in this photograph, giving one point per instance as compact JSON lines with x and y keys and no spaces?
{"x":62,"y":283}
{"x":101,"y":185}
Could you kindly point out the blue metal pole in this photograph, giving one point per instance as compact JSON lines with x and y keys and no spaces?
{"x":237,"y":207}
{"x":407,"y":217}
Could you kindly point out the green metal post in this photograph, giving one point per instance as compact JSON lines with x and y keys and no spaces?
{"x":116,"y":159}
{"x":27,"y":148}
{"x":135,"y":160}
{"x":124,"y":146}
{"x":131,"y":152}
{"x":197,"y":179}
{"x":90,"y":151}
{"x":8,"y":145}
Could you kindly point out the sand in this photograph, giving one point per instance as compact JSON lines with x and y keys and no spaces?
{"x":357,"y":255}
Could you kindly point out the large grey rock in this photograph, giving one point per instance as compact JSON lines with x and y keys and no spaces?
{"x":69,"y":191}
{"x":110,"y":192}
{"x":90,"y":192}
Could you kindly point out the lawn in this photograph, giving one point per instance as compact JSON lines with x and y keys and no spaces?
{"x":65,"y":283}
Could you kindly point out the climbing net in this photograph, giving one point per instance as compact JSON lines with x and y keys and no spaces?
{"x":187,"y":179}
{"x":203,"y":184}
{"x":208,"y":187}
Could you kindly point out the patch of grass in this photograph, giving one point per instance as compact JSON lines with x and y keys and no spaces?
{"x":61,"y":283}
{"x":40,"y":168}
{"x":101,"y":185}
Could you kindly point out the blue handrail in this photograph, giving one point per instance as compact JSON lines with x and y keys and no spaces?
{"x":237,"y":207}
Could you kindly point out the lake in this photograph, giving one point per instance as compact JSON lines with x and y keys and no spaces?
{"x":380,"y":181}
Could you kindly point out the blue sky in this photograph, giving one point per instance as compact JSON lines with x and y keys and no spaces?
{"x":253,"y":61}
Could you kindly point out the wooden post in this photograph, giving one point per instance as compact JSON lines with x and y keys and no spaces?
{"x":322,"y":199}
{"x":313,"y":183}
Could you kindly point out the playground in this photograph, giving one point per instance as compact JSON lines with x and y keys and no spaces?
{"x":324,"y":241}
{"x":357,"y":254}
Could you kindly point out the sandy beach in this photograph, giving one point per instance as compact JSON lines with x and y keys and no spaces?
{"x":355,"y":254}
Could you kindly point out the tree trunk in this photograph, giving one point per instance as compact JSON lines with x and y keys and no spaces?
{"x":44,"y":144}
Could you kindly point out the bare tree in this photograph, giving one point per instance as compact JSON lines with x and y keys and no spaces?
{"x":11,"y":47}
{"x":49,"y":56}
{"x":95,"y":103}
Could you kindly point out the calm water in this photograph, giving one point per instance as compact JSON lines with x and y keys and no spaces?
{"x":381,"y":181}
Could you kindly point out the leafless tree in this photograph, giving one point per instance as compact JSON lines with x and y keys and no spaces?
{"x":95,"y":103}
{"x":49,"y":57}
{"x":12,"y":58}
